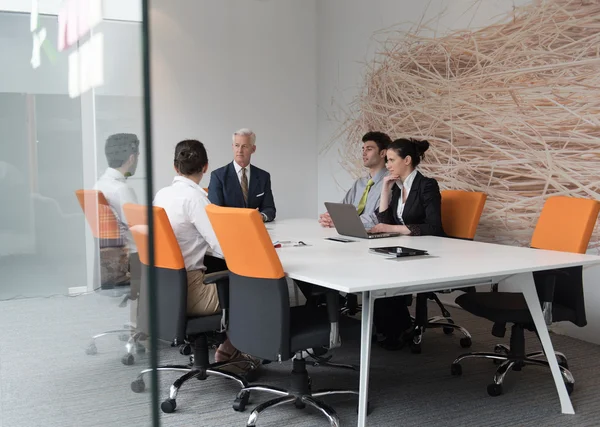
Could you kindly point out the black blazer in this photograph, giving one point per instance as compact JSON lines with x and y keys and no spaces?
{"x":225,"y":190}
{"x":422,"y":212}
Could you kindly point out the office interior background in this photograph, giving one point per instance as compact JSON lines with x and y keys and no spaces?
{"x":294,"y":71}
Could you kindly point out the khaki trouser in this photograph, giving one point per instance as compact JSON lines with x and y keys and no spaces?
{"x":202,"y":300}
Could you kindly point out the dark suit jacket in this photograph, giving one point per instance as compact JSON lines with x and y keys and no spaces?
{"x":225,"y":190}
{"x":422,"y":212}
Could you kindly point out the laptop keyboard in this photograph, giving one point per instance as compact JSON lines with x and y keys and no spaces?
{"x":382,"y":234}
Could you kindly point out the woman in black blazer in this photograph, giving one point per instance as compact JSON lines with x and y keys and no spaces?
{"x":421,"y":213}
{"x":410,"y":204}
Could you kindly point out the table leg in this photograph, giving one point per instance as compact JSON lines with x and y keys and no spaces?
{"x":527,"y":286}
{"x":365,"y":356}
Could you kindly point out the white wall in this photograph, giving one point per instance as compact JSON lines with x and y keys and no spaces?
{"x":218,"y":66}
{"x":348,"y":31}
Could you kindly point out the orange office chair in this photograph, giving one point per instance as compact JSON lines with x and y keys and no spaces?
{"x":110,"y":256}
{"x":105,"y":229}
{"x":261,"y":321}
{"x":461,"y":211}
{"x":565,"y":224}
{"x":175,"y":326}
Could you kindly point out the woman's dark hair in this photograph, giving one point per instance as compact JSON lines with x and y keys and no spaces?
{"x":410,"y":147}
{"x":379,"y":138}
{"x":190,"y":157}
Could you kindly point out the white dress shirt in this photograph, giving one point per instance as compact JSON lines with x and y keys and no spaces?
{"x":238,"y":170}
{"x":404,"y":186}
{"x":117,"y":193}
{"x":184,"y":202}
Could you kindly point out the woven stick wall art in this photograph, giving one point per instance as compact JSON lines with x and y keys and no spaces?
{"x":512,"y":109}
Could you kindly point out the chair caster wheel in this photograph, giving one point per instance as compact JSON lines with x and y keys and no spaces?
{"x":570,"y":387}
{"x":564,"y":365}
{"x":494,"y":390}
{"x":448,"y":331}
{"x":369,"y":408}
{"x":466,"y":342}
{"x":415,"y":348}
{"x":91,"y":350}
{"x":138,"y":386}
{"x":456,"y":369}
{"x":185,"y":350}
{"x":124,"y":337}
{"x":168,"y":406}
{"x":127,"y":360}
{"x":240,"y":402}
{"x":499,"y":349}
{"x":299,"y":404}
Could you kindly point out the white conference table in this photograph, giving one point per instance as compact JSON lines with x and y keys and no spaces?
{"x":452,"y":264}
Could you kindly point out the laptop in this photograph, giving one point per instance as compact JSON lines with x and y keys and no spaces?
{"x":348,"y":223}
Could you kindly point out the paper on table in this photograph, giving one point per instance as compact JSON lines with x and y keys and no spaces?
{"x":288,"y":243}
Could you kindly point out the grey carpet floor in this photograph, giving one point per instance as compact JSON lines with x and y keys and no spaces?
{"x":47,"y":380}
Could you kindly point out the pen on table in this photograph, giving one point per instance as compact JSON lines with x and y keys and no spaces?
{"x":277,"y":243}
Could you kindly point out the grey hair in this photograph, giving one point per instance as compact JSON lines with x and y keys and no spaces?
{"x":245,"y":132}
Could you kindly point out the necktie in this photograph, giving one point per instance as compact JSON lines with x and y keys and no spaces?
{"x":363,"y":200}
{"x":245,"y":186}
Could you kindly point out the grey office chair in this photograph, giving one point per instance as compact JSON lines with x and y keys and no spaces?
{"x":277,"y":332}
{"x":171,"y":294}
{"x":560,"y":291}
{"x":111,"y":263}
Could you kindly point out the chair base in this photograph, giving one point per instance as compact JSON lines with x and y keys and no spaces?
{"x":508,"y":361}
{"x":299,"y":393}
{"x":190,"y":372}
{"x":199,"y":368}
{"x":318,"y":358}
{"x":126,"y":334}
{"x":444,"y":321}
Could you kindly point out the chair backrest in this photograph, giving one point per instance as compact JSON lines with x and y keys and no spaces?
{"x":170,"y":272}
{"x":205,"y":189}
{"x":565,"y":224}
{"x":461,"y":211}
{"x":100,"y":217}
{"x":259,"y":310}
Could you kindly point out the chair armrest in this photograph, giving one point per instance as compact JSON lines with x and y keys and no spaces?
{"x":333,"y":312}
{"x":221,"y":280}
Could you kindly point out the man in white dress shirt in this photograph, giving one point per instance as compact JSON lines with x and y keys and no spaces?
{"x":184,"y":202}
{"x":122,"y":152}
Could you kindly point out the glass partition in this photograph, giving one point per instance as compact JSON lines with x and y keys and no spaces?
{"x":72,"y":130}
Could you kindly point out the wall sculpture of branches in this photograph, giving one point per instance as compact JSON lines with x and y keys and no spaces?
{"x":512,"y":109}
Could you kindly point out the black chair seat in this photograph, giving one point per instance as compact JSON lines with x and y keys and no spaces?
{"x":506,"y":307}
{"x":202,"y":324}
